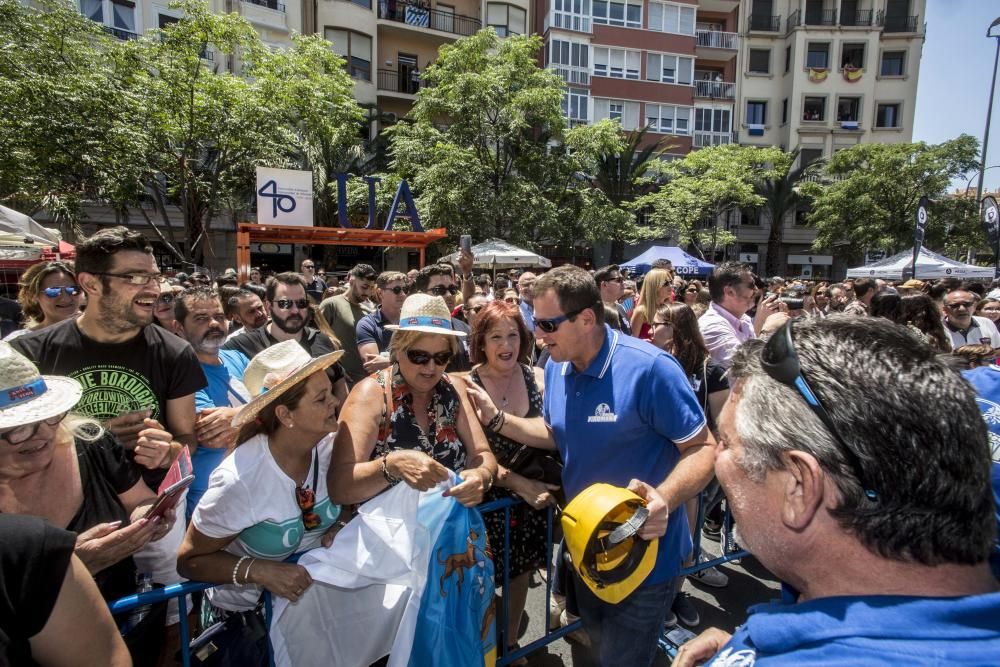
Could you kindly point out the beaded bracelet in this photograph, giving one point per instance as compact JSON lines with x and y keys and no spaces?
{"x":237,"y":569}
{"x":385,"y":471}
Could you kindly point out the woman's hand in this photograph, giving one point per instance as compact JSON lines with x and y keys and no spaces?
{"x":163,"y":525}
{"x":105,"y":544}
{"x":417,"y":469}
{"x":472,"y":487}
{"x":536,"y":493}
{"x":289,"y":580}
{"x":482,"y":404}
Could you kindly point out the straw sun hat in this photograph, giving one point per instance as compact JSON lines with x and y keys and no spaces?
{"x":26,"y":396}
{"x":274,"y":371}
{"x":427,"y":314}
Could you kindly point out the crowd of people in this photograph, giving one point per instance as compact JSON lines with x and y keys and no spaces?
{"x":850,"y":428}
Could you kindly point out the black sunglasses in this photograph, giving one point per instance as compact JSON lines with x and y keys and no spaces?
{"x":397,"y":290}
{"x":422,"y":358}
{"x":781,"y":363}
{"x":285,"y":304}
{"x":551,"y":324}
{"x":166,"y":297}
{"x":441,"y":290}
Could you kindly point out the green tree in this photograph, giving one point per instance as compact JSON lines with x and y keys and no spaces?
{"x":782,"y":193}
{"x":487,"y":151}
{"x":706,"y":185}
{"x":871,"y":197}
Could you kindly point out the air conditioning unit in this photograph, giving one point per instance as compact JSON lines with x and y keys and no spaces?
{"x":389,"y":117}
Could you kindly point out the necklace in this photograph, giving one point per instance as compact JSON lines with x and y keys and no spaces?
{"x":503,"y":396}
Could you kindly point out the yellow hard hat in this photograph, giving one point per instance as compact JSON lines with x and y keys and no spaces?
{"x":601,"y":527}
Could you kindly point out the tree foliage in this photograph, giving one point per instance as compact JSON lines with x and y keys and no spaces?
{"x":870,"y":199}
{"x":782,"y":193}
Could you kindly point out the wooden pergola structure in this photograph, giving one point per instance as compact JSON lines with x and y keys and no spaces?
{"x":248,"y":233}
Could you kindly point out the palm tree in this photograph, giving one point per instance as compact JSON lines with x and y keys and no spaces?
{"x":782,"y":195}
{"x":619,"y":176}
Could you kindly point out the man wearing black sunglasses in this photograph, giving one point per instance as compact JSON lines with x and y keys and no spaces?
{"x":611,"y":282}
{"x":373,"y":337}
{"x":622,"y":412}
{"x":858,"y":470}
{"x":439,"y":280}
{"x":962,"y":324}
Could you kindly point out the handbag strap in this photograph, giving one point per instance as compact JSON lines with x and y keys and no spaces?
{"x":704,"y":378}
{"x":387,"y":391}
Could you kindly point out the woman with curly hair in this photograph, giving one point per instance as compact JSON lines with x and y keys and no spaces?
{"x":49,"y":294}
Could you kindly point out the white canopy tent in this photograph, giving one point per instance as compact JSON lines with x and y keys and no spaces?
{"x":498,"y":254}
{"x":18,"y":229}
{"x":930,"y":266}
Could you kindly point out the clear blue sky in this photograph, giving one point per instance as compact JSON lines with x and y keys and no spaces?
{"x":955,"y":74}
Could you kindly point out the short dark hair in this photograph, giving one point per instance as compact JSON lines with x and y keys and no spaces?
{"x":182,"y":304}
{"x":725,"y":275}
{"x":254,"y":289}
{"x":574,"y":287}
{"x":286,"y":278}
{"x":893,"y":400}
{"x":494,"y":312}
{"x":425,"y":274}
{"x":862,"y":286}
{"x":662,"y":264}
{"x":226,"y":280}
{"x":363,"y":272}
{"x":93,"y":255}
{"x":232,"y":304}
{"x":605,"y":273}
{"x":387,"y":277}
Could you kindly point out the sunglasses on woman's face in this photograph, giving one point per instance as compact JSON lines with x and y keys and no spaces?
{"x":54,"y":292}
{"x":422,"y":358}
{"x":166,"y":297}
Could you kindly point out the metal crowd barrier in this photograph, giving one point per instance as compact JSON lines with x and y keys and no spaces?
{"x":181,"y":591}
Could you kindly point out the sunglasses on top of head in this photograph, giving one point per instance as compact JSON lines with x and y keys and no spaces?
{"x":54,"y":292}
{"x":781,"y":363}
{"x":422,"y":358}
{"x":551,"y":324}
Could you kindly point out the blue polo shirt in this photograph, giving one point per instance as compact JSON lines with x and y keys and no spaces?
{"x":371,"y":329}
{"x":621,"y":419}
{"x":869,"y":630}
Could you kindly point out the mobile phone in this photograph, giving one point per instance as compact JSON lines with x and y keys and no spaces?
{"x":465,"y":242}
{"x":169,"y":498}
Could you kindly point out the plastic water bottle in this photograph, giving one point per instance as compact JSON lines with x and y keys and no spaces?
{"x":143,"y":584}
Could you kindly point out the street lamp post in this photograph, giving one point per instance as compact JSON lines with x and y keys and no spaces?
{"x":989,"y":113}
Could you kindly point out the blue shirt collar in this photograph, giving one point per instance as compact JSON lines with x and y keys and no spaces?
{"x":599,"y":366}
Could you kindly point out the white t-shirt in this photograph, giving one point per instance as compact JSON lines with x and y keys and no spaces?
{"x":982,"y":331}
{"x":251,"y":497}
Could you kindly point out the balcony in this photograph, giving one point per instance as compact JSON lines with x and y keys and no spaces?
{"x":435,"y":19}
{"x":857,"y":19}
{"x":704,"y":139}
{"x":897,"y":23}
{"x":572,"y":75}
{"x":820,"y":17}
{"x":715,"y":90}
{"x":118,"y":33}
{"x":713,"y":39}
{"x":270,"y":4}
{"x":763,"y":23}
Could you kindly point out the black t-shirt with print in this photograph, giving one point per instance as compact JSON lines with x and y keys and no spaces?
{"x":34,"y":558}
{"x":142,"y":373}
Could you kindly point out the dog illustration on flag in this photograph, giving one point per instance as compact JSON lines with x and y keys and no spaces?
{"x":460,"y":562}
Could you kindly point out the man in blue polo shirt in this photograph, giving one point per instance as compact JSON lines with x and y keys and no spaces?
{"x":621,"y":412}
{"x":373,"y":338}
{"x":874,"y":507}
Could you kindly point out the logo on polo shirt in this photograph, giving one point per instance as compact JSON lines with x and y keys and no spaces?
{"x":602,"y":415}
{"x":741,"y":658}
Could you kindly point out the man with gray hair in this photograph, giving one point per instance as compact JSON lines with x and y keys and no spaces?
{"x":880,"y":520}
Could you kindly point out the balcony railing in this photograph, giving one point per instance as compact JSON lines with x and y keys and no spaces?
{"x":270,"y":4}
{"x":118,"y":33}
{"x":897,"y":23}
{"x":716,"y":90}
{"x":861,"y":17}
{"x":792,"y":22}
{"x":762,"y":23}
{"x":573,"y":75}
{"x":423,"y":17}
{"x":713,"y":39}
{"x":703,"y":139}
{"x":820,"y":17}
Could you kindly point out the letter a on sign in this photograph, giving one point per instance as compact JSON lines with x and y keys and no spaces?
{"x":403,"y":192}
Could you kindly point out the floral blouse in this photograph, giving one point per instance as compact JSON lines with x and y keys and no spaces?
{"x":400,"y":430}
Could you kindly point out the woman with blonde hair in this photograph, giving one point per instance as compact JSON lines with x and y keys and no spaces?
{"x":657,"y":289}
{"x":49,"y":294}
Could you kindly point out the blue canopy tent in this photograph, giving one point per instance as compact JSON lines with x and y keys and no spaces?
{"x":684,"y":264}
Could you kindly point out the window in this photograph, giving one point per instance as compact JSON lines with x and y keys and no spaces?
{"x":93,"y":10}
{"x":574,"y":105}
{"x":818,"y":56}
{"x":665,"y":17}
{"x":626,"y":113}
{"x":849,"y":109}
{"x":668,"y":119}
{"x":616,"y":63}
{"x":163,"y":21}
{"x":788,"y":59}
{"x":123,"y":13}
{"x":569,"y":54}
{"x":627,"y":13}
{"x":887,"y":115}
{"x":852,"y":55}
{"x":814,"y":109}
{"x":713,"y":120}
{"x":356,"y":48}
{"x":893,"y":63}
{"x":784,"y":111}
{"x":669,"y":69}
{"x":800,"y":216}
{"x":505,"y":19}
{"x":756,"y":113}
{"x":809,"y":155}
{"x":760,"y":61}
{"x":750,"y":216}
{"x":571,"y":14}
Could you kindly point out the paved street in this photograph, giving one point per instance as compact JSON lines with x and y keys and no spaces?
{"x":749,"y":583}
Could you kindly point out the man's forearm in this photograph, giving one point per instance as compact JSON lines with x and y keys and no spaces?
{"x":692,"y":473}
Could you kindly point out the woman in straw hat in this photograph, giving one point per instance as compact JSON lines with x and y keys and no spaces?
{"x":411,"y":422}
{"x":68,"y":471}
{"x":268,"y":499}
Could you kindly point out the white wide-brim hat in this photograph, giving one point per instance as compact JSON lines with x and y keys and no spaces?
{"x":274,"y":371}
{"x":427,"y":314}
{"x":27,"y":396}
